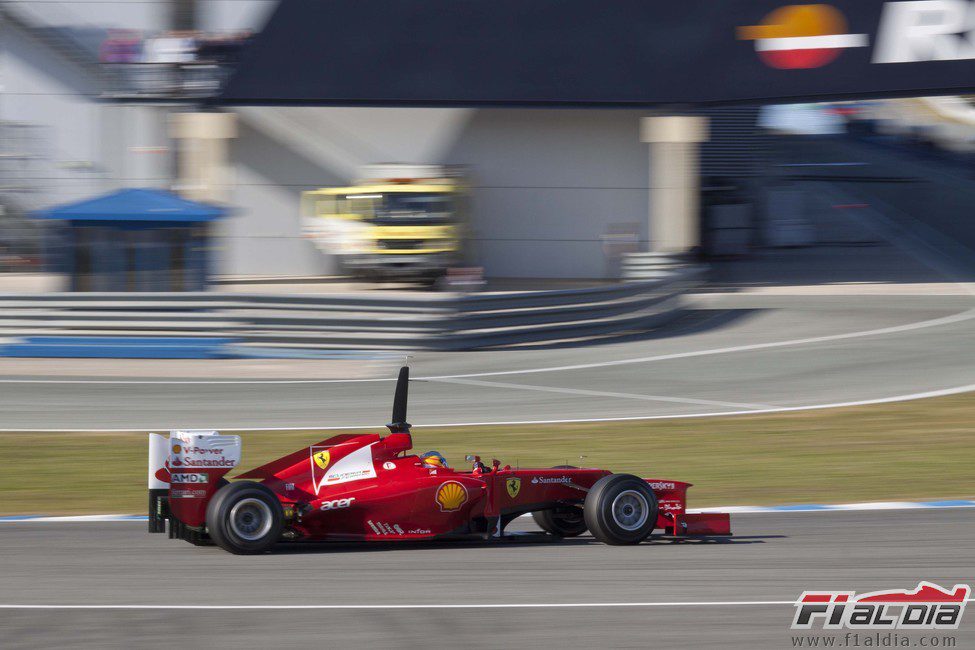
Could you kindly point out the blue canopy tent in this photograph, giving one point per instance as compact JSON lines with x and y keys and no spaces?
{"x":133,"y":240}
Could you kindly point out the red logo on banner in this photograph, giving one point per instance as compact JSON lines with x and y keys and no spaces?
{"x":802,"y":36}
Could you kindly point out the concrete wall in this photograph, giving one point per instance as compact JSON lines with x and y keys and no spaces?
{"x":223,"y":15}
{"x":548,"y":184}
{"x":98,"y":14}
{"x":263,"y":237}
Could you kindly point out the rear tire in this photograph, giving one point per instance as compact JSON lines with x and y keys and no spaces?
{"x":245,"y":518}
{"x":202,"y":538}
{"x":620,"y":509}
{"x":564,"y":521}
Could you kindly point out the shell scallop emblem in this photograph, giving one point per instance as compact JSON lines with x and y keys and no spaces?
{"x":451,"y":496}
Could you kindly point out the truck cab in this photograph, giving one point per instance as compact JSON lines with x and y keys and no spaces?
{"x":397,"y":222}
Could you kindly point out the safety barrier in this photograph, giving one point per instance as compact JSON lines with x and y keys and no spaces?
{"x":332,"y":321}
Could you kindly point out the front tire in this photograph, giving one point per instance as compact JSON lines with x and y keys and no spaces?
{"x":245,"y":518}
{"x":620,"y":509}
{"x":564,"y":521}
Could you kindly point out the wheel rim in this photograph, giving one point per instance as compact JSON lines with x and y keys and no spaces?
{"x":630,"y":510}
{"x":250,"y":519}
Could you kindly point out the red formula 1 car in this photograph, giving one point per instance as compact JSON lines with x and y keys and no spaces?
{"x":369,"y":488}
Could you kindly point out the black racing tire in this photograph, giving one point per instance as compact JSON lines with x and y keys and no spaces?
{"x":620,"y":509}
{"x":564,"y":521}
{"x":245,"y":518}
{"x":202,"y":538}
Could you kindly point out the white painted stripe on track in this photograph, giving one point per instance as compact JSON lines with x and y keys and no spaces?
{"x":728,"y":603}
{"x":956,"y":390}
{"x":787,"y":509}
{"x":935,"y":264}
{"x":751,"y":347}
{"x":72,"y":519}
{"x":882,"y":331}
{"x":839,"y":507}
{"x":437,"y":606}
{"x":600,"y":393}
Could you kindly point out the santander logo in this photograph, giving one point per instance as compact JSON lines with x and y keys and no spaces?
{"x":802,"y":36}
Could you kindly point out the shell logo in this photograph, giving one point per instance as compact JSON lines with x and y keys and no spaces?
{"x":321,"y":459}
{"x":177,"y":448}
{"x":451,"y":496}
{"x":802,"y":36}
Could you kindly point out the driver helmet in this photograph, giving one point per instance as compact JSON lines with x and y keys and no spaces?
{"x":433,"y":459}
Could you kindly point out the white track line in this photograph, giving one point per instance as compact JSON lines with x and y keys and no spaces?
{"x":74,"y":519}
{"x":956,"y":390}
{"x":882,"y":331}
{"x":942,"y":504}
{"x":435,"y":606}
{"x":896,"y":329}
{"x":600,"y":393}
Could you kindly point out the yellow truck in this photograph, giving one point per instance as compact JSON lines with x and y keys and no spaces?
{"x":397,"y":222}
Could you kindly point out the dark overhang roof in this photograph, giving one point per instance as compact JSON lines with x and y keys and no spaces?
{"x":567,"y":53}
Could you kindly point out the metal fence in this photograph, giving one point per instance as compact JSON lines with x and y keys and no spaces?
{"x":164,"y":81}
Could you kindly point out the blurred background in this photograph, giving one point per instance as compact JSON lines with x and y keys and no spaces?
{"x":125,"y":170}
{"x":731,"y":242}
{"x":203,"y":200}
{"x":100,"y":97}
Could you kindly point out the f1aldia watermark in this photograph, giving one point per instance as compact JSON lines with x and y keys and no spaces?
{"x":928,"y":607}
{"x":875,"y":619}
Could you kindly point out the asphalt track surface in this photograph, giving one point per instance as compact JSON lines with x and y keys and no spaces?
{"x":731,"y":354}
{"x":576,"y":593}
{"x":739,"y":352}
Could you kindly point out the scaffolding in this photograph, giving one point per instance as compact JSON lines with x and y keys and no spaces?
{"x":21,"y":159}
{"x":22,"y":165}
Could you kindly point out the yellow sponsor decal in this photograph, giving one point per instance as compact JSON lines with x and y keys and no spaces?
{"x":321,"y":459}
{"x":513,"y":486}
{"x":451,"y":496}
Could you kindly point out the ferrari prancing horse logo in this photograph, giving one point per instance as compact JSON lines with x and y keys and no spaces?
{"x":514,"y":486}
{"x":321,"y":459}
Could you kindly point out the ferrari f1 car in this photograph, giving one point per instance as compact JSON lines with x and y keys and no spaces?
{"x":368,"y":487}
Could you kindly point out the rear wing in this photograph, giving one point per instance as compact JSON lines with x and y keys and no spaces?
{"x":185,"y":469}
